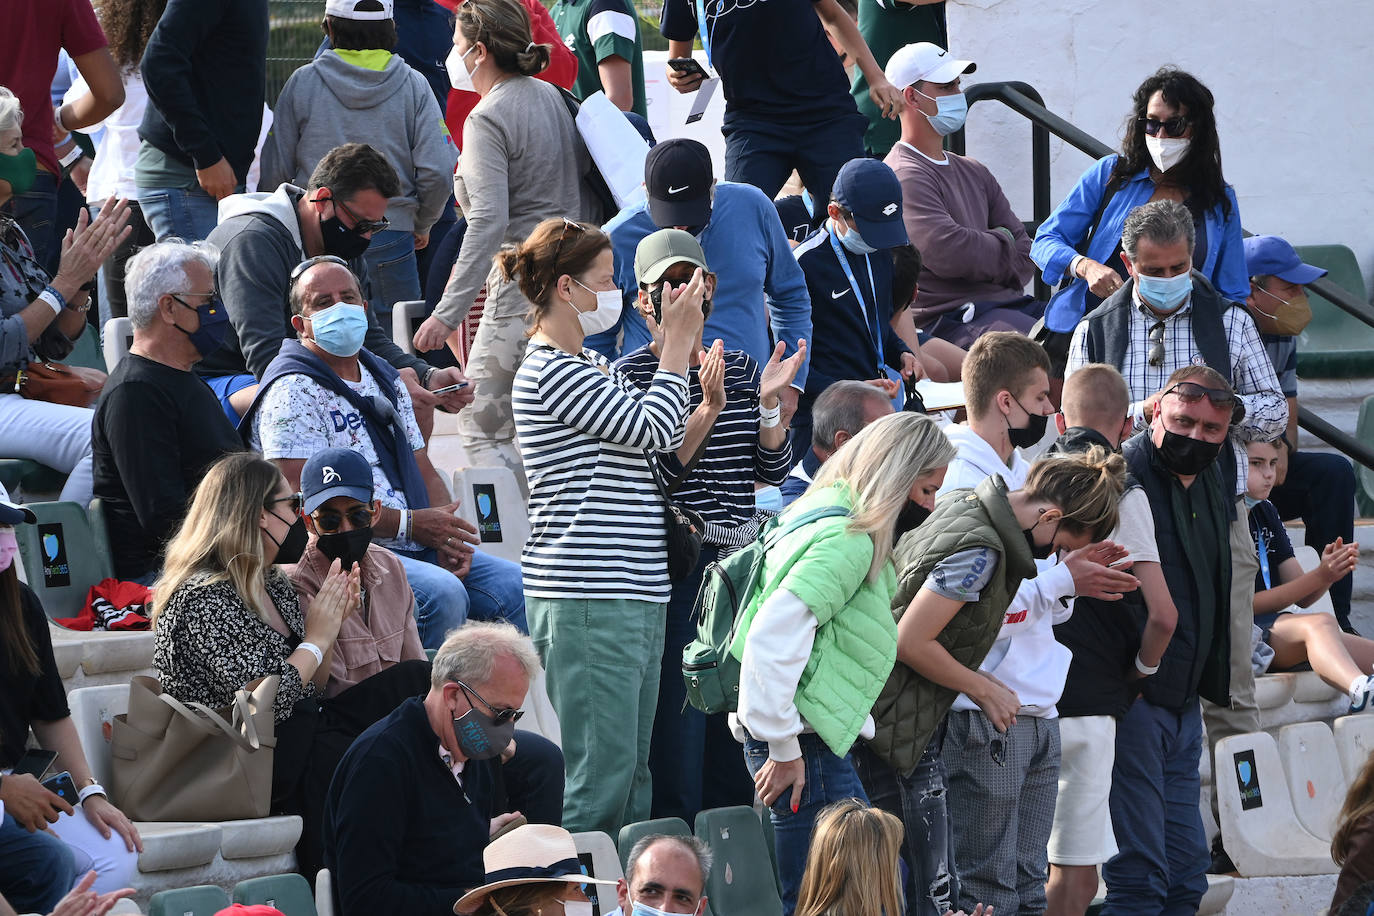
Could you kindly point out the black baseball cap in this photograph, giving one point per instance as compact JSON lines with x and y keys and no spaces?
{"x":677,"y":180}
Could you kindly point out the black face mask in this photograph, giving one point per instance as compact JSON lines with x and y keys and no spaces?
{"x":1038,"y":551}
{"x":1185,"y":456}
{"x":1031,"y":433}
{"x":291,"y":547}
{"x":911,"y":516}
{"x":348,"y":547}
{"x":479,"y":737}
{"x":341,"y":241}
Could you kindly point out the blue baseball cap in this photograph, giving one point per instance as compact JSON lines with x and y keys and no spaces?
{"x":335,"y":472}
{"x":870,"y":191}
{"x":1271,"y":256}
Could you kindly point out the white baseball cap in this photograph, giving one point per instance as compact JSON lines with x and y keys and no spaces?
{"x":347,"y":9}
{"x":924,"y":61}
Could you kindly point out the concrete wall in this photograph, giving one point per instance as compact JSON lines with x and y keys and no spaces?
{"x":1292,"y":82}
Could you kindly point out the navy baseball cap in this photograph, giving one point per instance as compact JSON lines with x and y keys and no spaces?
{"x":335,"y":472}
{"x":870,"y":191}
{"x":12,"y":513}
{"x":677,"y":180}
{"x":1271,"y":256}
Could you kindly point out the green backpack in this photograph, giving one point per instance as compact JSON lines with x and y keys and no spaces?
{"x":709,"y":670}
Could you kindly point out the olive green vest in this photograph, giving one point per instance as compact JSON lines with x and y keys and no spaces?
{"x":910,"y":707}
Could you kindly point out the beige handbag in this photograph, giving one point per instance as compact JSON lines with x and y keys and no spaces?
{"x":177,"y":761}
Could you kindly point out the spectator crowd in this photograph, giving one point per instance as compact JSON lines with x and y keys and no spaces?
{"x":977,"y":661}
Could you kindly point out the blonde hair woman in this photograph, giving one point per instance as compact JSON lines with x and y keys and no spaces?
{"x":853,"y":866}
{"x":817,"y":639}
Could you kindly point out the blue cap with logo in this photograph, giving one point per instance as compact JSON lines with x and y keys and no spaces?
{"x":335,"y":472}
{"x":870,"y":191}
{"x":1271,"y":256}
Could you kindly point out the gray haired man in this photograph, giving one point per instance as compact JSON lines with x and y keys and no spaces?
{"x":158,"y":426}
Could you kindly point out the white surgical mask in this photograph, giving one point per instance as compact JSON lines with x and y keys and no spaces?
{"x":458,"y":75}
{"x":1167,"y":152}
{"x":606,"y":314}
{"x":577,"y":908}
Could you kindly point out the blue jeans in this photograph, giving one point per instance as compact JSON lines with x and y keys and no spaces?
{"x":395,"y":275}
{"x":1320,"y":489}
{"x":828,"y":779}
{"x":36,"y":869}
{"x":36,"y":213}
{"x":764,"y":153}
{"x":492,"y":590}
{"x":1161,"y":867}
{"x":920,"y":800}
{"x":188,"y":214}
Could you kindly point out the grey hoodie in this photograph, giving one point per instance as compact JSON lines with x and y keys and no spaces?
{"x":329,"y":102}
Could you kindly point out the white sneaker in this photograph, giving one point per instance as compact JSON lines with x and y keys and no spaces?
{"x":1362,"y":694}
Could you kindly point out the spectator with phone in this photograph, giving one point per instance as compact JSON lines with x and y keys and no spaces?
{"x":44,"y":842}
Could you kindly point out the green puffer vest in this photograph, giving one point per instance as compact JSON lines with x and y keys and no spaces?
{"x":826,"y":566}
{"x":910,"y":707}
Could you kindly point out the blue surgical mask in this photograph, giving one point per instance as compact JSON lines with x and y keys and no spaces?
{"x":950,"y":114}
{"x":1251,"y":502}
{"x":851,"y":239}
{"x":340,"y":329}
{"x":1164,"y":294}
{"x":643,"y":909}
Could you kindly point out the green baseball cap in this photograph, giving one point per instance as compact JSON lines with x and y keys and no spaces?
{"x":660,"y":250}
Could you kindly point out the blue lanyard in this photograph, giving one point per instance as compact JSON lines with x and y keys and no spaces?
{"x":1263,"y":556}
{"x":704,"y":28}
{"x":809,"y":203}
{"x":873,"y":328}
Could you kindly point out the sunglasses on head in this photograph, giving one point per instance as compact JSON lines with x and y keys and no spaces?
{"x":296,"y":499}
{"x":308,"y":263}
{"x":328,"y":521}
{"x":1171,"y":127}
{"x":499,"y":716}
{"x":1192,"y":392}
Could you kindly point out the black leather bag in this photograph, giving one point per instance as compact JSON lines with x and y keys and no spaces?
{"x":684,"y":526}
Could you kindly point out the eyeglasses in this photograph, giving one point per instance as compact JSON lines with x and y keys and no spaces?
{"x":211,"y":296}
{"x":1156,"y":357}
{"x":500,"y":716}
{"x":296,"y":499}
{"x":1192,"y":392}
{"x":308,"y":263}
{"x":327,"y":521}
{"x":1173,"y":127}
{"x":362,"y":226}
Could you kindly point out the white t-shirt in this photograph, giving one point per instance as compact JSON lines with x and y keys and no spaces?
{"x":298,"y":417}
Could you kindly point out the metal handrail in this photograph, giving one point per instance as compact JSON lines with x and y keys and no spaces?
{"x":1023,"y":99}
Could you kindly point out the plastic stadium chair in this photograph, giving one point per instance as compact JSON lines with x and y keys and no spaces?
{"x":490,"y":499}
{"x":1335,"y":344}
{"x":26,"y":480}
{"x":599,"y":860}
{"x":63,"y":556}
{"x":1316,"y":782}
{"x":119,"y":337}
{"x":742,"y":877}
{"x":1364,"y":477}
{"x":203,"y":900}
{"x":324,"y":893}
{"x":406,"y":318}
{"x":633,"y":833}
{"x":289,"y":893}
{"x":86,"y":353}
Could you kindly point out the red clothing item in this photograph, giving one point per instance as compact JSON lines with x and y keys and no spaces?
{"x":561,"y":71}
{"x":34,"y":32}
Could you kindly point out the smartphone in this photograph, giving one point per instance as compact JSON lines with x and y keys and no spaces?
{"x":449,"y":389}
{"x":35,"y":762}
{"x":62,"y":786}
{"x":517,"y":821}
{"x":687,"y":65}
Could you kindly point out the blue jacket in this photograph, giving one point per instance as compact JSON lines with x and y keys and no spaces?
{"x":1056,"y":244}
{"x":758,"y":281}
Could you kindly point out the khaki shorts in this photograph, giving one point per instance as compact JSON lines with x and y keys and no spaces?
{"x":1082,"y":831}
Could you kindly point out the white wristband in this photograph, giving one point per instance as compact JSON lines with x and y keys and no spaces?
{"x":94,"y":788}
{"x":772,"y":422}
{"x":313,"y":650}
{"x":1144,"y":668}
{"x":403,"y":525}
{"x":770,"y":413}
{"x":53,"y":300}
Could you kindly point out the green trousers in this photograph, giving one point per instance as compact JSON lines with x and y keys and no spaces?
{"x":601,"y":657}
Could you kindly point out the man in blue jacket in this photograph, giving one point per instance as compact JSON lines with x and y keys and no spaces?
{"x":760,"y":285}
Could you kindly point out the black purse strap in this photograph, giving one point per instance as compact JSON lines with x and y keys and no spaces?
{"x":665,"y":491}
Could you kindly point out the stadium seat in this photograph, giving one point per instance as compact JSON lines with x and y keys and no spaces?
{"x":204,"y":900}
{"x":119,"y":337}
{"x":742,"y":877}
{"x":1274,"y":690}
{"x":406,"y":318}
{"x":1335,"y":344}
{"x":599,"y":860}
{"x":1354,"y":742}
{"x":86,"y":352}
{"x":324,"y":893}
{"x":63,"y":556}
{"x":1364,"y":477}
{"x":633,"y":833}
{"x":1262,"y":832}
{"x":490,"y":499}
{"x":28,"y":480}
{"x":1316,"y":782}
{"x":289,"y":893}
{"x":1309,"y":688}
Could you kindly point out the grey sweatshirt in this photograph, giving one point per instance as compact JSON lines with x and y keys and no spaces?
{"x":329,"y":102}
{"x":522,"y":163}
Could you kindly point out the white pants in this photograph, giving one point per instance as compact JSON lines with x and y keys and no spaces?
{"x":115,"y":866}
{"x":52,"y":434}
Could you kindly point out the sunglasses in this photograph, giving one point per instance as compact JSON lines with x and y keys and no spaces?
{"x":362,"y":226}
{"x":1192,"y":392}
{"x":1173,"y":127}
{"x":308,"y":263}
{"x":327,"y":521}
{"x":997,"y":749}
{"x":558,"y":250}
{"x":500,"y":716}
{"x":296,"y":499}
{"x":1156,"y":357}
